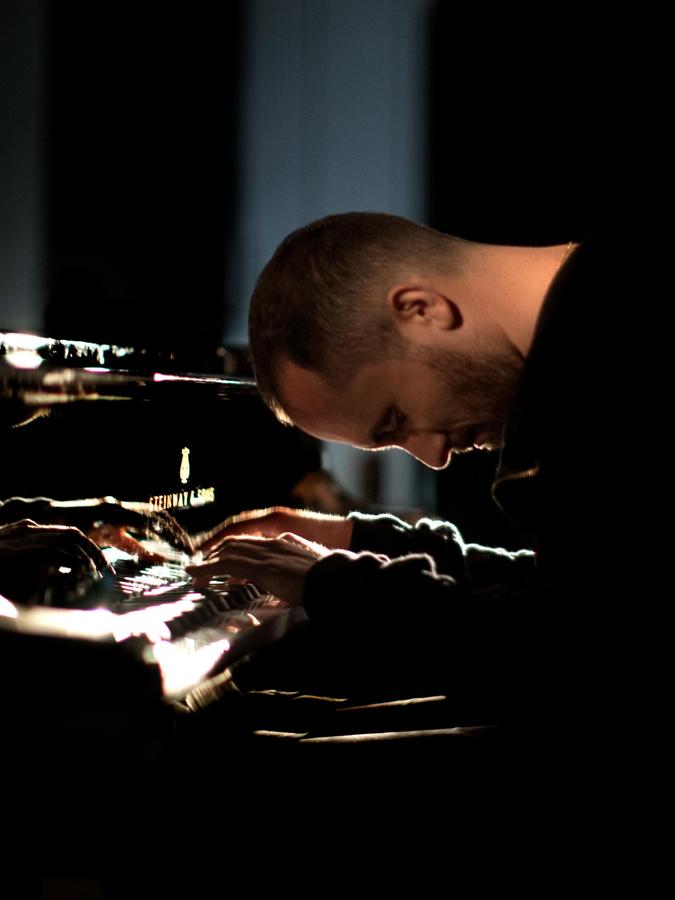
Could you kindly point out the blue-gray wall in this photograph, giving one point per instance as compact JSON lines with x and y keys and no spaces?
{"x":22,"y":176}
{"x":333,"y":119}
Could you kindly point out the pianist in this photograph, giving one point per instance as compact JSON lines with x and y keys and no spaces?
{"x":371,"y":330}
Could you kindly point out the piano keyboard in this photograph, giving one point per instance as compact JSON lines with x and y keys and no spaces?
{"x":193,"y":631}
{"x":190,"y":632}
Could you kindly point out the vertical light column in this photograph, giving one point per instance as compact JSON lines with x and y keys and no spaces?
{"x":22,"y":176}
{"x":332,"y":119}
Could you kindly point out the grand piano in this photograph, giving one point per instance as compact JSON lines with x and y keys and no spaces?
{"x":131,"y":682}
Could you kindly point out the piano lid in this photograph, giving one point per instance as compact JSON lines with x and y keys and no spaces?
{"x":37,"y":371}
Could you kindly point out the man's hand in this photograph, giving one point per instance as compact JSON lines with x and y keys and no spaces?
{"x":276,"y":565}
{"x":334,"y":532}
{"x":49,"y":564}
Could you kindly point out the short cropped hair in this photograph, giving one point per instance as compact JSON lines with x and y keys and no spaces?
{"x":319,"y":302}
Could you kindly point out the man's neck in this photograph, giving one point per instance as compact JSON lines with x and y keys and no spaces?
{"x":511,"y":286}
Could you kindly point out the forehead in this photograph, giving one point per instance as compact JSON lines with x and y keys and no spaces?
{"x":344,"y":414}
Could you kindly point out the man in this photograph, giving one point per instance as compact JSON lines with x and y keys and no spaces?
{"x":372,"y":330}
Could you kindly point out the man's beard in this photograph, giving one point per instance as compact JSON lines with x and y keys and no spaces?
{"x":481,"y":385}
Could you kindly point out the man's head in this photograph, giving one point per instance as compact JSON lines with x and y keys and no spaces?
{"x":320,"y":301}
{"x":362,"y":330}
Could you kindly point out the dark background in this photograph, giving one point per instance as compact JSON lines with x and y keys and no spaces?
{"x":530,"y":134}
{"x":539,"y":125}
{"x":141,"y":170}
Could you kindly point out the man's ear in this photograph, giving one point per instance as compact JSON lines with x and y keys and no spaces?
{"x":426,"y":307}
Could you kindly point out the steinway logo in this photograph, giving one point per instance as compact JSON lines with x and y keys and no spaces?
{"x":184,"y":499}
{"x":184,"y":470}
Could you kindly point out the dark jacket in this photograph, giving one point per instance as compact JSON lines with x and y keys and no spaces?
{"x":573,"y":624}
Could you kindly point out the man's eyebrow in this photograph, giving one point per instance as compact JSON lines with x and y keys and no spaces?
{"x":384,"y":424}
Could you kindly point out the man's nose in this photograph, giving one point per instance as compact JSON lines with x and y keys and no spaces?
{"x":429,"y":448}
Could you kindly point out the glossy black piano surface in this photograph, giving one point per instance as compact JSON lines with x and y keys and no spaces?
{"x":202,"y":446}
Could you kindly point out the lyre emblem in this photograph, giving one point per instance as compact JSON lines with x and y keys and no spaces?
{"x":185,"y":465}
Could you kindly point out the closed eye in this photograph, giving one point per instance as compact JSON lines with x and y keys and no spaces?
{"x":392,"y":427}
